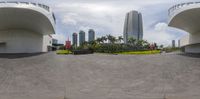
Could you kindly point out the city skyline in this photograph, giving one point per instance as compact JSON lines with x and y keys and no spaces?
{"x":107,"y":17}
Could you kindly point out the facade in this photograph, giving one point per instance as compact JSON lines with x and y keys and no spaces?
{"x":25,"y":27}
{"x":185,"y":16}
{"x":91,"y":35}
{"x":47,"y":43}
{"x":133,"y":26}
{"x":75,"y":39}
{"x":173,"y":43}
{"x":81,"y":37}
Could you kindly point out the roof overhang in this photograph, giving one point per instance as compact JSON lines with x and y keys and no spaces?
{"x":187,"y":20}
{"x":27,"y":19}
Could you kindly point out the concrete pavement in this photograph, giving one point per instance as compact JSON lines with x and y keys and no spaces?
{"x":100,"y":76}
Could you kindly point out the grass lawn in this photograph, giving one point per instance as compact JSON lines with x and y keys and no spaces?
{"x":140,"y":52}
{"x":63,"y":52}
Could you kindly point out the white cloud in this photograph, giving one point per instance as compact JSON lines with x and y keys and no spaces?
{"x":161,"y":26}
{"x":161,"y":37}
{"x":69,"y":19}
{"x":60,"y":37}
{"x":160,"y":34}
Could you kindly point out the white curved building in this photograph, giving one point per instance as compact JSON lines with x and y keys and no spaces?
{"x":25,"y":27}
{"x":186,"y":16}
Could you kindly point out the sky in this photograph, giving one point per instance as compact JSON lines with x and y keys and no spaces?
{"x":107,"y":17}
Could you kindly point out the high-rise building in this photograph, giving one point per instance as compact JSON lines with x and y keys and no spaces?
{"x":81,"y":37}
{"x":133,"y":26}
{"x":91,"y":35}
{"x":173,"y":43}
{"x":179,"y":43}
{"x":75,"y":39}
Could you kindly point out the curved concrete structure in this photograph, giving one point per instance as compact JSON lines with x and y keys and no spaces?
{"x":24,"y":27}
{"x":186,"y":16}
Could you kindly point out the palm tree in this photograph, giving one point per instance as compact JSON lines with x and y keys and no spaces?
{"x":99,"y":40}
{"x":120,"y":38}
{"x":92,"y":45}
{"x":132,"y":40}
{"x":111,"y":38}
{"x":92,"y":42}
{"x":104,"y":39}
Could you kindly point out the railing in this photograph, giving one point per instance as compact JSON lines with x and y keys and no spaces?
{"x":175,"y":7}
{"x":47,"y":8}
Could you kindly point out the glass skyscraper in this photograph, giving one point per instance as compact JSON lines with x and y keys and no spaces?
{"x":75,"y":39}
{"x":91,"y":35}
{"x":81,"y":37}
{"x":133,"y":26}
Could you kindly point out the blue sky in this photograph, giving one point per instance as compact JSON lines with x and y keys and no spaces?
{"x":107,"y":17}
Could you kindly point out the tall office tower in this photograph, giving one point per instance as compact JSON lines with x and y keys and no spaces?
{"x":81,"y":37}
{"x":173,"y":43}
{"x":179,"y":43}
{"x":91,"y":35}
{"x":133,"y":26}
{"x":75,"y":39}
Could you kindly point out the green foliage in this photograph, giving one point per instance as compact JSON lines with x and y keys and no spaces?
{"x":63,"y":52}
{"x":120,"y":39}
{"x":132,"y":41}
{"x":140,"y":52}
{"x":111,"y":39}
{"x":113,"y":45}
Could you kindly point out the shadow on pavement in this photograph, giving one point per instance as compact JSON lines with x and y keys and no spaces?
{"x":190,"y":55}
{"x":21,"y":55}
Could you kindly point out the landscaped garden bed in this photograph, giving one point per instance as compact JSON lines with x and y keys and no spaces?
{"x":140,"y":52}
{"x":63,"y":52}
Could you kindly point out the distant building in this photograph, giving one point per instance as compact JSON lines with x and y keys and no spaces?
{"x":54,"y":41}
{"x":91,"y":35}
{"x":56,"y":45}
{"x":179,"y":43}
{"x":133,"y":26}
{"x":81,"y":37}
{"x":75,"y":39}
{"x":173,"y":43}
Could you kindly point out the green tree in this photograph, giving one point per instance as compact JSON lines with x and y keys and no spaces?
{"x":111,"y":39}
{"x":132,"y":41}
{"x":120,"y":39}
{"x":92,"y":45}
{"x":104,"y":39}
{"x":99,"y":40}
{"x":84,"y":45}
